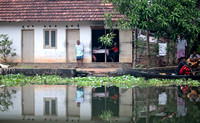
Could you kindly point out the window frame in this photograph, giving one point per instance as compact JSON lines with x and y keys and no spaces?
{"x":50,"y":106}
{"x":49,"y":46}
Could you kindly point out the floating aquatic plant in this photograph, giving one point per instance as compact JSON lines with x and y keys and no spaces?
{"x":125,"y":81}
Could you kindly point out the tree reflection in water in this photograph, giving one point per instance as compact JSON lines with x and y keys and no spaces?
{"x":5,"y":98}
{"x":179,"y":108}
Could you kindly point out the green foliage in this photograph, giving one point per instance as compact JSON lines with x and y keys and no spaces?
{"x":155,"y":49}
{"x":108,"y":21}
{"x":5,"y":47}
{"x":125,"y":81}
{"x":107,"y":40}
{"x":5,"y":98}
{"x":165,"y":17}
{"x":198,"y":49}
{"x":107,"y":115}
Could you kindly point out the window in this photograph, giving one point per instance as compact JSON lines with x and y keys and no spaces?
{"x":49,"y":38}
{"x":50,"y":106}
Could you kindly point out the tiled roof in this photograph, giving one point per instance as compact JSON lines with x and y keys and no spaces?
{"x":53,"y":10}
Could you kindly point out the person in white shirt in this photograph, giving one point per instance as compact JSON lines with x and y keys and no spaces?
{"x":79,"y":53}
{"x":181,"y":47}
{"x":194,"y":59}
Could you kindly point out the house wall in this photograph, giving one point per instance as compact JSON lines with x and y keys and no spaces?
{"x":58,"y":54}
{"x":14,"y":111}
{"x":14,"y":33}
{"x":42,"y":55}
{"x":86,"y":105}
{"x":50,"y":91}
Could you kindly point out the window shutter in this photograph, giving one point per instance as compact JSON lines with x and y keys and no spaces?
{"x":53,"y":38}
{"x":47,"y":107}
{"x":53,"y":107}
{"x":46,"y":38}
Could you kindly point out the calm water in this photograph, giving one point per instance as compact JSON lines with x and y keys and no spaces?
{"x":68,"y":103}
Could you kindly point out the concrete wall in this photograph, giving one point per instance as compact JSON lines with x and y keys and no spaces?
{"x":58,"y":54}
{"x":14,"y":111}
{"x":41,"y":55}
{"x":86,"y":106}
{"x":50,"y":91}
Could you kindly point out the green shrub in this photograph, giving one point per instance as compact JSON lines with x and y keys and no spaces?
{"x":5,"y":48}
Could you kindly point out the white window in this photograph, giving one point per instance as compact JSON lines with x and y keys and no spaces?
{"x":50,"y":106}
{"x":50,"y":38}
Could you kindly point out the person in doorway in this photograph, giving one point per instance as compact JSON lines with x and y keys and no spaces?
{"x":94,"y":58}
{"x":194,"y":59}
{"x":79,"y":53}
{"x":114,"y":53}
{"x":181,"y":46}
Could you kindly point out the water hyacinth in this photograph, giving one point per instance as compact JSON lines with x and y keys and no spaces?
{"x":125,"y":81}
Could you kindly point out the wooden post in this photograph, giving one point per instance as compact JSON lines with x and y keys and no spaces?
{"x":148,"y":104}
{"x":135,"y":48}
{"x":105,"y":55}
{"x":105,"y":98}
{"x":105,"y":50}
{"x":174,"y":50}
{"x":135,"y":113}
{"x":148,"y":48}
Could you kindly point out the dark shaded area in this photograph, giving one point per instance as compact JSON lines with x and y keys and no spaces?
{"x":33,"y":72}
{"x":154,"y":73}
{"x":96,"y":33}
{"x":100,"y":104}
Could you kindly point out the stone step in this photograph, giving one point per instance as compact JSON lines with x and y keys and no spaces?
{"x":73,"y":65}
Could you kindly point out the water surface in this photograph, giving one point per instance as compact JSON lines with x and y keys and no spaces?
{"x":69,"y":103}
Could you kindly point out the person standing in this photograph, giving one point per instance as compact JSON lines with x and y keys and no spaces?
{"x":79,"y":53}
{"x":181,"y":47}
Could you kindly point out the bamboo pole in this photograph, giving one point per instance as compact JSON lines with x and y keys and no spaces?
{"x":148,"y":48}
{"x":135,"y":48}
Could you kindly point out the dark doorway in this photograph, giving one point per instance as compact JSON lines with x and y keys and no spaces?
{"x":100,"y":56}
{"x":103,"y":100}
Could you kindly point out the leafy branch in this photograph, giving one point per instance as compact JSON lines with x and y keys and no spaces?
{"x":5,"y":47}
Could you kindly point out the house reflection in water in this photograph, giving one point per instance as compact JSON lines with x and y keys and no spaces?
{"x":57,"y":103}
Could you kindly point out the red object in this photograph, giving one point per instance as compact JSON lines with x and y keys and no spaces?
{"x":185,"y":70}
{"x":115,"y":49}
{"x":115,"y":97}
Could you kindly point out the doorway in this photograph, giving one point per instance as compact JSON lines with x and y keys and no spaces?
{"x":27,"y":46}
{"x":72,"y":36}
{"x":98,"y":50}
{"x":104,"y":99}
{"x":28,"y":105}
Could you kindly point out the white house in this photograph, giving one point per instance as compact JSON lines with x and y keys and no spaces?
{"x":46,"y":31}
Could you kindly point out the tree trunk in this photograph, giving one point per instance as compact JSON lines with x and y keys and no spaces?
{"x":148,"y":104}
{"x":105,"y":55}
{"x":135,"y":48}
{"x":174,"y":50}
{"x":148,"y":48}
